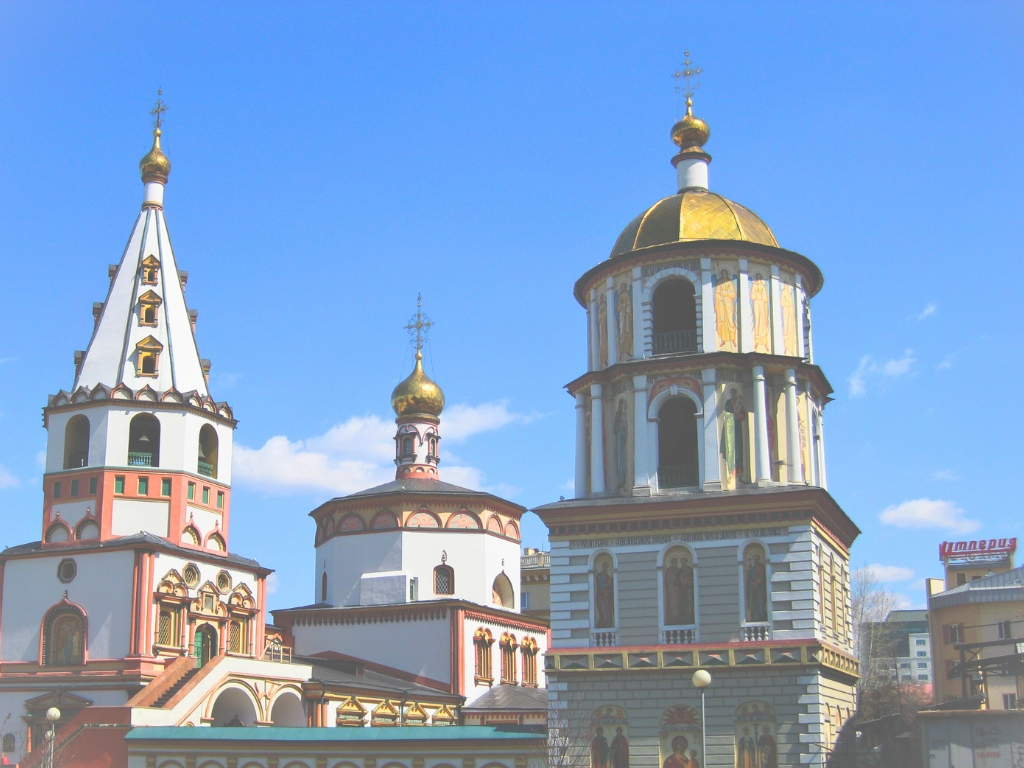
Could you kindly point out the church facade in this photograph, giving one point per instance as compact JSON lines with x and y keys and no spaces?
{"x":702,"y":534}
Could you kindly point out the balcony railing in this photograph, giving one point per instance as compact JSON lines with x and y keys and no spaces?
{"x":757,"y":633}
{"x":538,"y":560}
{"x":205,"y":469}
{"x":602,"y":639}
{"x":679,"y":636}
{"x":140,"y":459}
{"x":681,"y":476}
{"x":674,"y":341}
{"x":275,"y":651}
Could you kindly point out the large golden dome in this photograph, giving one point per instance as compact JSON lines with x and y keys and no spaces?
{"x":155,"y":166}
{"x":418,"y":395}
{"x":693,"y":214}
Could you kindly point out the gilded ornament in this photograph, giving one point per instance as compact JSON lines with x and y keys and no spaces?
{"x":155,"y":166}
{"x":418,"y":394}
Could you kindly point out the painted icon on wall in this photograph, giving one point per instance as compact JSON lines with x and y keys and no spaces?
{"x":761,"y":309}
{"x":604,"y":593}
{"x":725,"y":311}
{"x":755,"y":584}
{"x":609,"y":743}
{"x":680,"y":737}
{"x":756,"y":746}
{"x":679,"y":588}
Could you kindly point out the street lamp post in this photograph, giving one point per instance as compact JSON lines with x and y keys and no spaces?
{"x":53,"y":715}
{"x":701,"y":680}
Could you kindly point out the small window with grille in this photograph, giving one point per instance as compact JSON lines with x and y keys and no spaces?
{"x":444,"y":580}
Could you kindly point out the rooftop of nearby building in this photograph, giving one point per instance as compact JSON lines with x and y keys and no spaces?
{"x":921,"y":615}
{"x":998,"y":588}
{"x":354,"y":674}
{"x":284,"y":735}
{"x":510,"y":698}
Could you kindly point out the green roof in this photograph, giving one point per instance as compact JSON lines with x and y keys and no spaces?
{"x":397,"y":734}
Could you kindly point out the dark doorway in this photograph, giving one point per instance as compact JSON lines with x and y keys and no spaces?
{"x":677,"y":444}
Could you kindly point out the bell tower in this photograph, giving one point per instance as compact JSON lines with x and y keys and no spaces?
{"x":138,"y":444}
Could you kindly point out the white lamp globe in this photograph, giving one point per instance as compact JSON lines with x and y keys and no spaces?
{"x":53,"y":714}
{"x":701,"y":679}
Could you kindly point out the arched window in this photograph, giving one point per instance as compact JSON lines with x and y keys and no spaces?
{"x":64,"y":637}
{"x":502,"y":593}
{"x":208,"y":443}
{"x":675,"y":317}
{"x":76,"y":442}
{"x":323,"y":587}
{"x":407,"y":447}
{"x":144,"y":441}
{"x":149,"y":308}
{"x":508,"y":647}
{"x":87,"y":529}
{"x":432,"y":447}
{"x":529,"y":650}
{"x":482,"y":641}
{"x":755,"y":593}
{"x":236,"y":636}
{"x":167,"y":634}
{"x":444,"y":580}
{"x":216,"y":541}
{"x":677,"y":444}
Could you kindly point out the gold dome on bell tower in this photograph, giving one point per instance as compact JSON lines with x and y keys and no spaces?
{"x":155,"y":166}
{"x":418,"y":395}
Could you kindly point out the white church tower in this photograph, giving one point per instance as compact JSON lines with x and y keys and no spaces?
{"x":132,"y":570}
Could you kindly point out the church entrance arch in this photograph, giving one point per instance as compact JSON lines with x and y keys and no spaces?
{"x":204,"y":645}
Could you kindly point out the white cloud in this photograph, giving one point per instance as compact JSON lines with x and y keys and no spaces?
{"x":901,"y":366}
{"x":359,"y":453}
{"x":945,"y":474}
{"x":867,"y":367}
{"x":272,"y":583}
{"x":928,"y":311}
{"x":7,"y":480}
{"x":929,"y":513}
{"x":857,"y":385}
{"x":889,"y":573}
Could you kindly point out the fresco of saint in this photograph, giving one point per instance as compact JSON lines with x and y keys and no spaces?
{"x":620,"y":749}
{"x":599,"y":750}
{"x":602,"y":333}
{"x":755,"y":588}
{"x":604,"y":597}
{"x":759,"y":303}
{"x":678,"y":588}
{"x":734,"y":416}
{"x":624,"y":318}
{"x":788,"y":305}
{"x":725,"y":311}
{"x":766,"y":749}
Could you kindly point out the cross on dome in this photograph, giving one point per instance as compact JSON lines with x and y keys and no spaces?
{"x":420,"y":324}
{"x":159,"y":109}
{"x":687,"y":81}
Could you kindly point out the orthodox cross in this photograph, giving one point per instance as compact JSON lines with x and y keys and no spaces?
{"x":686,"y":77}
{"x":420,"y":324}
{"x":160,"y":107}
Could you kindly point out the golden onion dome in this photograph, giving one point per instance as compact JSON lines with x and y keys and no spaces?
{"x":155,"y":166}
{"x":693,"y":214}
{"x":691,"y":133}
{"x":418,"y":395}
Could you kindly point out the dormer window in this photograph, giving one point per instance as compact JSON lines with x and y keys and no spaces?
{"x":407,"y":447}
{"x":147,"y":356}
{"x":150,"y":270}
{"x":149,"y":308}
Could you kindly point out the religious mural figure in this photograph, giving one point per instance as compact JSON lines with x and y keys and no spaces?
{"x":602,"y":333}
{"x":788,"y":304}
{"x":760,"y":306}
{"x":755,"y":586}
{"x":602,"y":721}
{"x":679,"y":583}
{"x":621,"y":429}
{"x":746,"y":750}
{"x":624,"y":317}
{"x":604,"y":596}
{"x":599,"y":750}
{"x":66,"y":641}
{"x":802,"y":427}
{"x":678,"y":758}
{"x":725,"y":311}
{"x":734,"y":416}
{"x":620,"y":749}
{"x":767,"y":749}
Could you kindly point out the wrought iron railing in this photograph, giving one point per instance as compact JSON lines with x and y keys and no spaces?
{"x":680,"y":476}
{"x":136,"y":459}
{"x":205,"y":469}
{"x":674,"y":341}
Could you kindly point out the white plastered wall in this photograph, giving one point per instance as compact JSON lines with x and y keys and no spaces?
{"x":102,"y":588}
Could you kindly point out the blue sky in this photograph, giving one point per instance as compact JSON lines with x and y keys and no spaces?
{"x":330,"y":161}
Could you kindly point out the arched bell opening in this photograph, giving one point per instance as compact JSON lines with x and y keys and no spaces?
{"x":208,"y":451}
{"x":76,"y":442}
{"x":678,"y":457}
{"x":144,"y":441}
{"x":674,"y":315}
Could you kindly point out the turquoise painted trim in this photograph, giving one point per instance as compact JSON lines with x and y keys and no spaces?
{"x":396,"y":734}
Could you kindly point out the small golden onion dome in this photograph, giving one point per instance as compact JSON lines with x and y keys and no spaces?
{"x":691,"y":132}
{"x":418,"y":394}
{"x":155,"y":166}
